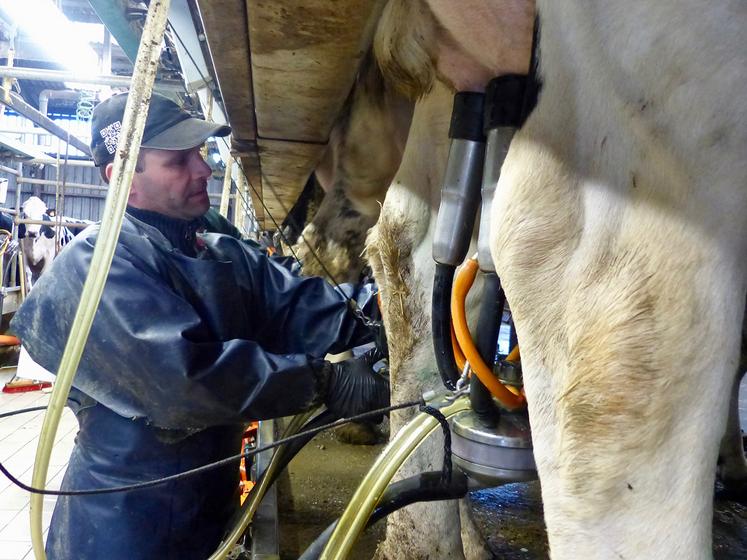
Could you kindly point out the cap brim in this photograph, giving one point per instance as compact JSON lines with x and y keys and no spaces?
{"x":186,"y":134}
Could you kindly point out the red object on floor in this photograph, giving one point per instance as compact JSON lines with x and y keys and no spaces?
{"x":25,"y":386}
{"x":9,"y":340}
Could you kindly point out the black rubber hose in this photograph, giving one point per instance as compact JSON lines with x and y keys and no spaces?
{"x":488,"y":327}
{"x":424,"y":487}
{"x":441,"y":321}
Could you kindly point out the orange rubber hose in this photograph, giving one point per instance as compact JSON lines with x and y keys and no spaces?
{"x":458,"y":354}
{"x":514,"y":355}
{"x":462,"y":284}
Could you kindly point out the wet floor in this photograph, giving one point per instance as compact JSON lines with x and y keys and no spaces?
{"x":322,"y":479}
{"x":325,"y":474}
{"x":510,"y":517}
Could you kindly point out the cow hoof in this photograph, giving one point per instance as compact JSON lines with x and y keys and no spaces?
{"x":358,"y":433}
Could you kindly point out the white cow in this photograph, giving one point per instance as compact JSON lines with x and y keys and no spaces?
{"x":41,"y":243}
{"x":618,"y":236}
{"x":628,"y":185}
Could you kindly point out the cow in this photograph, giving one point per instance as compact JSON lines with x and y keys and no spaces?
{"x":617,"y":235}
{"x":40,"y":243}
{"x":365,"y":150}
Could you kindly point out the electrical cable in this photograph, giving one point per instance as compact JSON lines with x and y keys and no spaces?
{"x":214,"y":465}
{"x":21,"y":411}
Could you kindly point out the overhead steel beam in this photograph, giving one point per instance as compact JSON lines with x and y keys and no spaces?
{"x":112,"y":15}
{"x":15,"y":102}
{"x":36,"y":74}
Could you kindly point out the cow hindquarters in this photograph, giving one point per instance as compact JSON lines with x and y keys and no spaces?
{"x":628,"y":317}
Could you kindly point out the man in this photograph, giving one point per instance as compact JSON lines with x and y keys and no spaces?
{"x":196,"y":334}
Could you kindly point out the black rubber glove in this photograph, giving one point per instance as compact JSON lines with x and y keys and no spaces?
{"x":354,"y":387}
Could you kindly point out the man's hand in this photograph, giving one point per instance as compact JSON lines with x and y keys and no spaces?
{"x":354,"y":387}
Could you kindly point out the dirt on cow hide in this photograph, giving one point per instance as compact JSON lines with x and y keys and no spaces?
{"x":326,"y":472}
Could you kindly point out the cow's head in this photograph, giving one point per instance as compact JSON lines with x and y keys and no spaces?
{"x":35,"y":209}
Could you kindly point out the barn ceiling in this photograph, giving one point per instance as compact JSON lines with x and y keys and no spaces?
{"x":284,"y":69}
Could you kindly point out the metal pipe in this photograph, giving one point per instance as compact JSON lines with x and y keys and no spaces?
{"x":50,"y":182}
{"x":125,"y":160}
{"x":14,"y":262}
{"x":51,"y":223}
{"x":40,"y":75}
{"x":226,"y":192}
{"x":8,"y":82}
{"x":9,"y":170}
{"x":239,"y":207}
{"x":371,"y":489}
{"x":16,"y":103}
{"x":106,"y":54}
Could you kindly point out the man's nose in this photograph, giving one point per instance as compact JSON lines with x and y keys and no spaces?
{"x":203,"y":169}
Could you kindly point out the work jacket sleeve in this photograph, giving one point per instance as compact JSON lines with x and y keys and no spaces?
{"x":179,"y":352}
{"x":294,"y":314}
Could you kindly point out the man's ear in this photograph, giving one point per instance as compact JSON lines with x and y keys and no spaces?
{"x":108,"y":170}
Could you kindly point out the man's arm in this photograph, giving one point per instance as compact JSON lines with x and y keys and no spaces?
{"x":296,"y":313}
{"x":151,"y":355}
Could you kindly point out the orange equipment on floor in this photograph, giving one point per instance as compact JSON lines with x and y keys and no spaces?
{"x":248,"y":443}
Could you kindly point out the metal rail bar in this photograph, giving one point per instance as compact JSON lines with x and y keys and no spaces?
{"x":15,"y":102}
{"x":36,"y":74}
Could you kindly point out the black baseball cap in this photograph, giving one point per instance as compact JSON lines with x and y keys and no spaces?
{"x":167,"y":127}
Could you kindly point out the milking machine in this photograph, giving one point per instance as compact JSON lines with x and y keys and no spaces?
{"x":492,"y":444}
{"x":460,"y":195}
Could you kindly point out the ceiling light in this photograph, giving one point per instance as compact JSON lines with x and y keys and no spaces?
{"x":48,"y":27}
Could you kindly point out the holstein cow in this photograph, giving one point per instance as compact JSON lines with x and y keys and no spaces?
{"x":365,"y":150}
{"x":618,"y":234}
{"x":41,"y":243}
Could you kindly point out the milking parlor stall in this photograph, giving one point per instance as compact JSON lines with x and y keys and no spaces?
{"x":388,"y":147}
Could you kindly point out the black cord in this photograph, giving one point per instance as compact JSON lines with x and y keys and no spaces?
{"x":21,"y":411}
{"x":446,"y":470}
{"x":210,"y":466}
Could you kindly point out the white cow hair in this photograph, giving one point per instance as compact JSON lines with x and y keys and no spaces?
{"x":618,"y":234}
{"x":628,"y":184}
{"x":34,"y":208}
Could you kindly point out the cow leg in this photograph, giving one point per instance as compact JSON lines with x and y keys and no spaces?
{"x":474,"y":545}
{"x":626,"y":411}
{"x":620,"y":241}
{"x":732,"y":470}
{"x":400,"y":253}
{"x":418,"y":531}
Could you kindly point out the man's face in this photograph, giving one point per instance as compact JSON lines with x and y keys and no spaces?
{"x":172,"y":182}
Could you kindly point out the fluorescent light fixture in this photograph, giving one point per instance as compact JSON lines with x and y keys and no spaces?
{"x":47,"y":26}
